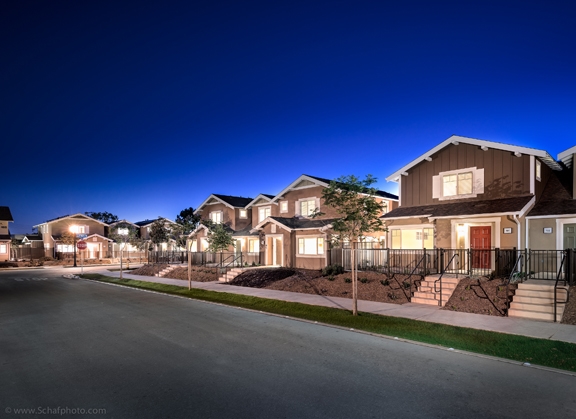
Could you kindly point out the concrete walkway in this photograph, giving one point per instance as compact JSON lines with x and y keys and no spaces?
{"x":511,"y":325}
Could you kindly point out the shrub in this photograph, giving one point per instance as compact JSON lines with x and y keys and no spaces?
{"x":330,"y":278}
{"x":406,"y":284}
{"x":347,"y":280}
{"x":385,"y":282}
{"x":332,"y":270}
{"x":363,"y":280}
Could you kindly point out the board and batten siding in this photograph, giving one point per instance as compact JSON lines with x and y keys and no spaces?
{"x":505,"y":175}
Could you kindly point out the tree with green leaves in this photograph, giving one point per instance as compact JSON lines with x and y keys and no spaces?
{"x":104,"y":217}
{"x":123,"y":233}
{"x":358,"y":214}
{"x":219,"y":238}
{"x":186,"y":223}
{"x":159,"y":233}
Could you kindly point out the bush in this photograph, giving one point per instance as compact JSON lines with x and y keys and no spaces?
{"x":385,"y":282}
{"x":332,"y":270}
{"x":330,"y":278}
{"x":347,"y":280}
{"x":46,"y":259}
{"x":406,"y":284}
{"x":363,"y":280}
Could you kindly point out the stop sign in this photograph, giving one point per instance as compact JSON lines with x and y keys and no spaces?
{"x":81,"y":245}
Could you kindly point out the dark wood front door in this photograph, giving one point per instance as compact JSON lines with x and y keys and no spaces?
{"x":569,"y":236}
{"x":481,"y":243}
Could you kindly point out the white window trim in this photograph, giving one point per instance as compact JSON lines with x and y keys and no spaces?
{"x":243,"y":216}
{"x":298,"y":211}
{"x":316,"y":256}
{"x":5,"y":246}
{"x":269,"y":207}
{"x":283,"y":203}
{"x":417,"y":227}
{"x":477,"y":184}
{"x":221,"y":216}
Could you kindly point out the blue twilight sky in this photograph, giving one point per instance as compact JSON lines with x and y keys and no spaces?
{"x":144,"y":108}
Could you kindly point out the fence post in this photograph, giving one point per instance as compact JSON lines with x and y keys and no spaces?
{"x":441,"y":259}
{"x":497,"y":261}
{"x":568,"y":267}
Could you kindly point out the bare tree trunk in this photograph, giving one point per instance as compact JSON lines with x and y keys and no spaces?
{"x":354,"y":275}
{"x":189,"y":266}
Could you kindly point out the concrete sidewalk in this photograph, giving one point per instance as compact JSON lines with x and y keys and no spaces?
{"x":510,"y":325}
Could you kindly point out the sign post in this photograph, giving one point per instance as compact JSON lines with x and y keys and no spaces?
{"x":81,"y":245}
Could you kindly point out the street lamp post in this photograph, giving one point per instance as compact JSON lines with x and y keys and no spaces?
{"x":122,"y":232}
{"x":74,"y":231}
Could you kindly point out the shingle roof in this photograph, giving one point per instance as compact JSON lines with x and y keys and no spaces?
{"x":145,"y":222}
{"x":493,"y":206}
{"x":235,"y":201}
{"x":5,"y":214}
{"x":382,"y":194}
{"x":302,"y":223}
{"x":5,"y":237}
{"x":556,"y":198}
{"x":244,"y":232}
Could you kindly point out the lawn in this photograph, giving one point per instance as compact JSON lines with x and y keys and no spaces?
{"x":543,"y":352}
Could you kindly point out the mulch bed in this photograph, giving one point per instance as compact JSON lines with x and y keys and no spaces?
{"x":370,"y":284}
{"x":149,"y":270}
{"x":197,"y":274}
{"x":569,"y":316}
{"x":479,"y":296}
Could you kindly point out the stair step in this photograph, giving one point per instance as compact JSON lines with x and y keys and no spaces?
{"x":427,"y":301}
{"x":534,"y":315}
{"x":541,"y":308}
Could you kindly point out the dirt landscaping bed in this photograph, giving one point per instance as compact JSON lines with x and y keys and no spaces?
{"x":198,"y":273}
{"x":372,"y":286}
{"x":569,"y":316}
{"x":149,"y":270}
{"x":480,"y":296}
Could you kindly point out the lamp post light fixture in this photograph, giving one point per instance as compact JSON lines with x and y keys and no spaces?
{"x":74,"y":231}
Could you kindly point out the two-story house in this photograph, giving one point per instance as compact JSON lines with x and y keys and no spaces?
{"x":95,"y":231}
{"x":289,"y":236}
{"x":468,"y":193}
{"x":144,"y":227}
{"x":5,"y":218}
{"x":231,"y":211}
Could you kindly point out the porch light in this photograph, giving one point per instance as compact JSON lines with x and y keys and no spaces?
{"x":461,"y":229}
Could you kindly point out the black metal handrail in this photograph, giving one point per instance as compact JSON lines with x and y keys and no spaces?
{"x":441,"y":275}
{"x":514,"y":270}
{"x":556,"y":287}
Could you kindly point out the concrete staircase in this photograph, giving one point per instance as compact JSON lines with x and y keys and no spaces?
{"x":534,"y":300}
{"x":167,"y":269}
{"x":426,"y":294}
{"x":231,"y":274}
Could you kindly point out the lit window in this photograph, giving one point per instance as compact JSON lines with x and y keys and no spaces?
{"x":253,"y":246}
{"x":243,"y":213}
{"x":284,"y":206}
{"x":307,"y":207}
{"x":263,"y":213}
{"x":457,"y":184}
{"x":311,"y":246}
{"x":216,"y":217}
{"x":3,"y":248}
{"x":538,"y":170}
{"x":413,"y":239}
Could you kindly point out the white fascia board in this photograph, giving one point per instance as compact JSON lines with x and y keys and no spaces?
{"x":70,"y":216}
{"x":527,"y":207}
{"x":208,"y":199}
{"x":289,"y":187}
{"x":98,"y":235}
{"x":124,"y":222}
{"x":566,"y":156}
{"x":270,"y":220}
{"x":546,"y":158}
{"x":406,"y":217}
{"x":490,"y":214}
{"x":261,"y":196}
{"x":197,"y":229}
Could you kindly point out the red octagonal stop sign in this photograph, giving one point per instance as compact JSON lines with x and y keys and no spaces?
{"x":81,"y":245}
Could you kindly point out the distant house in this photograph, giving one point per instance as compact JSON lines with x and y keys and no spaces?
{"x":144,"y":231}
{"x":5,"y":239}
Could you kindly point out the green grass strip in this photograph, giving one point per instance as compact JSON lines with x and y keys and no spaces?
{"x":543,"y":352}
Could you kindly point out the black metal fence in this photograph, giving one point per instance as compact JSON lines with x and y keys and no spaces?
{"x":220,"y":259}
{"x":535,"y":264}
{"x":26,"y":253}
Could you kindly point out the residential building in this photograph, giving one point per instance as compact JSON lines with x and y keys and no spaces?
{"x":5,"y":239}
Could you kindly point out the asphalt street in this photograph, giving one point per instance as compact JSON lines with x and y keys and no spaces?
{"x":78,"y":344}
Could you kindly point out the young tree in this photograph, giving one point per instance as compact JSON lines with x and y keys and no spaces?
{"x":359,"y":213}
{"x":219,"y":238}
{"x":159,"y":233}
{"x":122,"y":233}
{"x":105,"y":217}
{"x":186,"y":223}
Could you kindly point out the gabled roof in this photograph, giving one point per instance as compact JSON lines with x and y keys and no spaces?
{"x":98,"y":235}
{"x":503,"y":206}
{"x":73,"y":217}
{"x":5,"y":214}
{"x":126,"y":222}
{"x":228,"y":200}
{"x":263,"y":196}
{"x":556,"y":197}
{"x":148,"y":222}
{"x":456,"y":139}
{"x":295,"y":223}
{"x":566,"y":156}
{"x":325,"y":183}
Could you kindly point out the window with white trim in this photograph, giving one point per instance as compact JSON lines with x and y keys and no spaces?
{"x":253,"y":246}
{"x":3,"y":248}
{"x":307,"y":207}
{"x":413,"y":238}
{"x":263,"y":213}
{"x":284,"y":206}
{"x":243,"y":213}
{"x":216,"y":217}
{"x":458,"y":184}
{"x":538,"y":171}
{"x":311,"y":246}
{"x":65,"y":248}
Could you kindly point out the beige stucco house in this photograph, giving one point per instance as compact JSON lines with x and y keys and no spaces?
{"x":5,"y":218}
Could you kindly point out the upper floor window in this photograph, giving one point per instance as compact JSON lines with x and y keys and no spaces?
{"x":284,"y":206}
{"x":243,"y":213}
{"x":538,"y":171}
{"x":458,"y":184}
{"x":216,"y":217}
{"x":263,"y":213}
{"x":307,"y":207}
